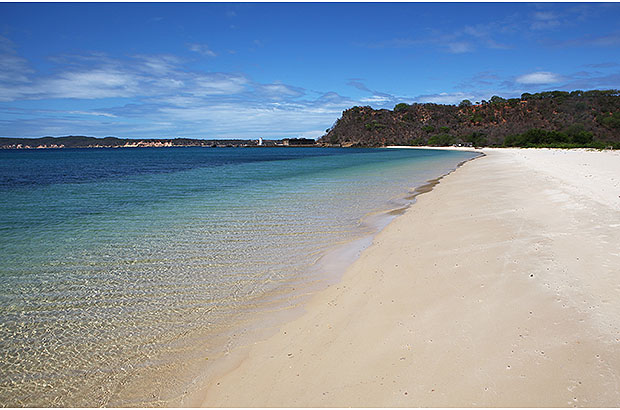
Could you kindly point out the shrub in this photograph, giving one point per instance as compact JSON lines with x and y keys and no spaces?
{"x":465,"y":104}
{"x":610,"y":121}
{"x":417,"y":141}
{"x":441,"y":140}
{"x":573,"y":138}
{"x":477,"y":139}
{"x":409,"y":117}
{"x":373,"y":125}
{"x":401,"y":107}
{"x":497,"y":100}
{"x":477,"y":117}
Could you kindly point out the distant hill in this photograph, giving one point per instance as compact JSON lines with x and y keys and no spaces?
{"x":113,"y":142}
{"x":554,"y":118}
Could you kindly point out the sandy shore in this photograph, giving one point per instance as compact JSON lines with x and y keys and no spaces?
{"x":501,"y":287}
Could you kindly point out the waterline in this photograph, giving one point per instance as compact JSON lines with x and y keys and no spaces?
{"x":117,"y":289}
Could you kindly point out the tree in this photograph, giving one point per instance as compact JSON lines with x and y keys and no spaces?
{"x":610,"y":121}
{"x":582,"y":138}
{"x":441,"y":140}
{"x":465,"y":104}
{"x":497,"y":100}
{"x":477,"y":139}
{"x":401,"y":107}
{"x":417,"y":141}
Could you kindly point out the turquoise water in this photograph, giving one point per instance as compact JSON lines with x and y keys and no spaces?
{"x":120,"y":268}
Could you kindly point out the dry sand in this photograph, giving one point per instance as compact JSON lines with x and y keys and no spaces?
{"x":501,"y":287}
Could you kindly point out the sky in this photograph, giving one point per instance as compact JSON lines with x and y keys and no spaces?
{"x":276,"y":70}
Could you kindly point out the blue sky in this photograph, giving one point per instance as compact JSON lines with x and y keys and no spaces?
{"x":248,"y":70}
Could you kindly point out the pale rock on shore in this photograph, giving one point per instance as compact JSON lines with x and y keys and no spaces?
{"x":501,"y":287}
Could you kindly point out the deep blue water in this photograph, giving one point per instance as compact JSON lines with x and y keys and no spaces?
{"x":60,"y":166}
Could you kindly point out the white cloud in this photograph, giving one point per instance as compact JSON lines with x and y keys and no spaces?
{"x":93,"y":84}
{"x":544,"y":15}
{"x":609,"y":40}
{"x":603,"y":65}
{"x":177,"y":100}
{"x":202,"y":49}
{"x":460,"y":47}
{"x":312,"y":134}
{"x":165,"y":99}
{"x":375,"y":99}
{"x":445,"y":98}
{"x":218,"y":84}
{"x":468,"y":38}
{"x":159,"y":65}
{"x":539,"y":77}
{"x":271,"y":120}
{"x":95,"y":113}
{"x":543,"y":20}
{"x":357,"y":83}
{"x":13,"y":68}
{"x":280,"y":90}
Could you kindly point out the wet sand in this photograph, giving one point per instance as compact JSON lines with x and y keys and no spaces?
{"x":500,"y":287}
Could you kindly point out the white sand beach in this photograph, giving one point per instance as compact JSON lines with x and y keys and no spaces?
{"x":500,"y":287}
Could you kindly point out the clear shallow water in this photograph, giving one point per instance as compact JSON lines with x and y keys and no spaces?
{"x":118,"y":267}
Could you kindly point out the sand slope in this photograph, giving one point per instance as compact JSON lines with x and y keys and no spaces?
{"x":501,"y":287}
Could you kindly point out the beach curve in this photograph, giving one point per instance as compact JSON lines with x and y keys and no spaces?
{"x":499,"y":288}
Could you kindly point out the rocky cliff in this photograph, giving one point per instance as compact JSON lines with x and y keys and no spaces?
{"x":577,"y":118}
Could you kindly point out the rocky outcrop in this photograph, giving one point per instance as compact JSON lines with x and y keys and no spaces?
{"x":595,"y":113}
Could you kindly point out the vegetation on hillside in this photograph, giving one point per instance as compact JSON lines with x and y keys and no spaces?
{"x":549,"y":119}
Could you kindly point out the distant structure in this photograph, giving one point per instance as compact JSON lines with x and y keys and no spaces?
{"x":298,"y":141}
{"x":260,"y":141}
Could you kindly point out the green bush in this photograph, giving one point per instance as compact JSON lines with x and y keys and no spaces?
{"x":417,"y":141}
{"x":373,"y":125}
{"x":497,"y":100}
{"x":441,"y":140}
{"x":610,"y":120}
{"x":409,"y":117}
{"x":574,"y":137}
{"x":477,"y":117}
{"x":401,"y":107}
{"x":477,"y":139}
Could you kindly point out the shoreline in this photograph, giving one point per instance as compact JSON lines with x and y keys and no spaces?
{"x":290,"y":302}
{"x":184,"y":360}
{"x":500,"y":337}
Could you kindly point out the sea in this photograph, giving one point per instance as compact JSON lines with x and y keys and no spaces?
{"x":126,"y":274}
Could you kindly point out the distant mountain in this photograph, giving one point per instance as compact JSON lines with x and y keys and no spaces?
{"x":554,"y":118}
